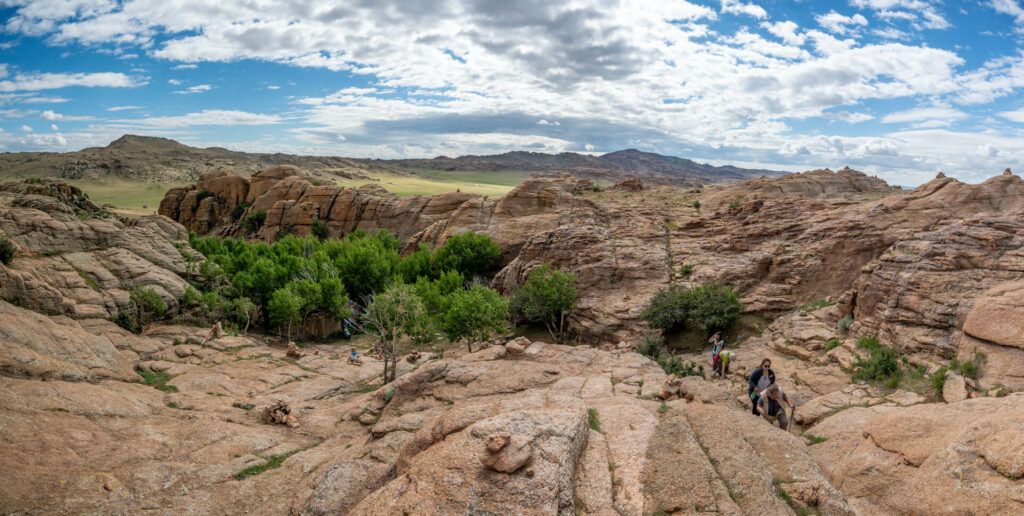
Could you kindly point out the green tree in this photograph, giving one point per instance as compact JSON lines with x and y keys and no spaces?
{"x":475,"y":314}
{"x":547,"y":296}
{"x":147,"y":302}
{"x":255,"y":220}
{"x":245,"y":310}
{"x":417,"y":265}
{"x":707,"y":307}
{"x":389,"y":315}
{"x":470,"y":253}
{"x":190,"y":297}
{"x":366,"y":265}
{"x":285,"y":308}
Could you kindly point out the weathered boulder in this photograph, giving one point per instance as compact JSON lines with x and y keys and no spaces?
{"x":955,"y":388}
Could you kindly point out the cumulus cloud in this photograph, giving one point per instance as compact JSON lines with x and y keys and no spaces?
{"x":199,"y":88}
{"x":26,"y":128}
{"x":1015,"y":115}
{"x":737,"y":7}
{"x":943,"y":115}
{"x":839,"y":24}
{"x":920,"y":14}
{"x":53,"y":127}
{"x":50,"y":115}
{"x":50,"y":81}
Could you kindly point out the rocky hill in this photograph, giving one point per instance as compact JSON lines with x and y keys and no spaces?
{"x":182,"y":419}
{"x":161,"y":160}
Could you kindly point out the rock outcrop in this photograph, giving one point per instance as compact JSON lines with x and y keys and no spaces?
{"x":78,"y":260}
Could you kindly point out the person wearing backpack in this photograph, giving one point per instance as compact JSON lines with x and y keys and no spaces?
{"x":759,"y":380}
{"x":716,"y":348}
{"x":770,"y":406}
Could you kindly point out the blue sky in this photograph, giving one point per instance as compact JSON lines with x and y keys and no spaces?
{"x":898,"y":88}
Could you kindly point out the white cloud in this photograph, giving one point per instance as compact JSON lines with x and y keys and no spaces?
{"x":545,"y":122}
{"x":273,"y":87}
{"x":1010,"y":7}
{"x":926,"y":114}
{"x":53,"y":127}
{"x":44,"y":100}
{"x":173,"y":82}
{"x":211,"y":117}
{"x":737,"y":7}
{"x":786,"y":31}
{"x":26,"y":128}
{"x":50,"y":81}
{"x":199,"y":88}
{"x":839,"y":24}
{"x":185,"y":67}
{"x":50,"y":115}
{"x":122,"y":108}
{"x":1015,"y":115}
{"x":920,"y":14}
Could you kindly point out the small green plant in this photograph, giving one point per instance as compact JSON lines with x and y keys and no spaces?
{"x":685,"y":270}
{"x":255,"y":220}
{"x":663,"y":408}
{"x":832,"y":344}
{"x":126,"y":321}
{"x":813,"y":439}
{"x":390,"y":393}
{"x":239,"y":209}
{"x":204,"y":194}
{"x":171,"y":404}
{"x":595,"y":423}
{"x":799,"y":508}
{"x":272,"y":462}
{"x":882,"y":363}
{"x":971,"y":368}
{"x":7,"y":250}
{"x":735,"y":205}
{"x":33,"y":181}
{"x":844,"y":324}
{"x":319,"y":230}
{"x":696,"y":206}
{"x":157,"y":380}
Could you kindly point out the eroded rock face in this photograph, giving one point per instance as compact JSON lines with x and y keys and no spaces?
{"x":82,"y":264}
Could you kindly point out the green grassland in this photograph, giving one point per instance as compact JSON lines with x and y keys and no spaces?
{"x":140,"y":198}
{"x":132,"y":197}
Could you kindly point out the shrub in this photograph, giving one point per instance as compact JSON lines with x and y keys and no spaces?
{"x":593,"y":421}
{"x":126,"y":321}
{"x":686,"y":270}
{"x":204,"y":194}
{"x":33,"y":181}
{"x":832,"y":344}
{"x":547,"y":296}
{"x":696,"y":206}
{"x":881,"y":364}
{"x":708,"y":307}
{"x":844,"y":324}
{"x":475,"y":314}
{"x":148,"y":301}
{"x":970,"y":368}
{"x":735,"y":205}
{"x":190,"y":297}
{"x":672,"y":364}
{"x":469,"y":253}
{"x":255,"y":220}
{"x":319,"y":230}
{"x":7,"y":250}
{"x":239,"y":209}
{"x":938,"y":379}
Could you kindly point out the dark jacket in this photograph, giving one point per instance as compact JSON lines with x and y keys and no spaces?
{"x":756,"y":377}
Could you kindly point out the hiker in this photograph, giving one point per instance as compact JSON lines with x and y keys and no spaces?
{"x":759,"y":380}
{"x":716,"y":348}
{"x":770,"y":406}
{"x":722,"y":366}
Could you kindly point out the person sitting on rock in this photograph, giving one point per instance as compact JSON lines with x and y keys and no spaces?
{"x":774,"y":397}
{"x":722,"y":366}
{"x":759,"y":380}
{"x":353,"y":358}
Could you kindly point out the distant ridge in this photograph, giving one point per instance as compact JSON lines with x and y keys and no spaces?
{"x":617,"y":165}
{"x":156,"y":159}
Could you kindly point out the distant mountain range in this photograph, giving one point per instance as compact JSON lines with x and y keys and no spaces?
{"x":612,"y":166}
{"x":153,"y":159}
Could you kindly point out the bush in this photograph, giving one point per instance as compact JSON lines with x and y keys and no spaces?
{"x":126,"y":321}
{"x":149,"y":301}
{"x":547,"y":296}
{"x":735,"y":205}
{"x":882,"y":362}
{"x":255,"y":220}
{"x":708,"y":307}
{"x":832,"y":344}
{"x":475,"y":314}
{"x":938,"y":379}
{"x":470,"y":253}
{"x":204,"y":194}
{"x":239,"y":209}
{"x":7,"y":250}
{"x":686,"y":270}
{"x":844,"y":324}
{"x":319,"y":230}
{"x":190,"y":297}
{"x":654,"y":348}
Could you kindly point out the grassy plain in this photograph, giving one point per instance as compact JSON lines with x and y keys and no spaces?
{"x":129,"y":197}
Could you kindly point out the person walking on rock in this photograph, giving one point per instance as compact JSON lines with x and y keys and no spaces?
{"x":716,"y":347}
{"x":770,"y":406}
{"x":759,"y":380}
